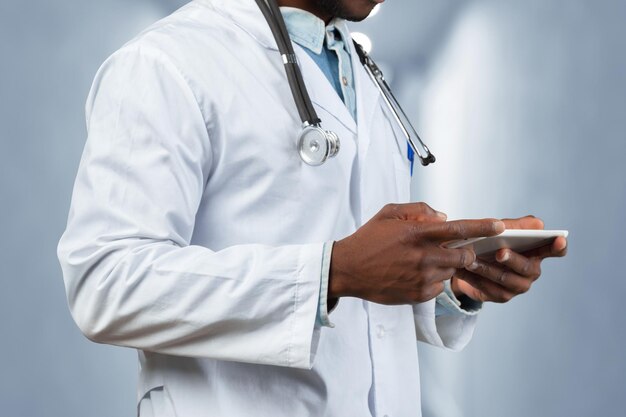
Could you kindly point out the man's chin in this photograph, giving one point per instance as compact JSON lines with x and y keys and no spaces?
{"x":337,"y":8}
{"x":354,"y":18}
{"x":357,"y":16}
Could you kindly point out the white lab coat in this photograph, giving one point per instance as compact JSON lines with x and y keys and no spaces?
{"x":195,"y":232}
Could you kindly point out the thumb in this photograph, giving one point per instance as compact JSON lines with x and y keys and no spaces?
{"x":527,"y":222}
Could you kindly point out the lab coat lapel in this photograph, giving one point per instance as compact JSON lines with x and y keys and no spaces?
{"x":322,"y":92}
{"x":247,"y":15}
{"x":368,"y":99}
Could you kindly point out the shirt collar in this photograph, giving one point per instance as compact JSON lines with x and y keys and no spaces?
{"x":309,"y":31}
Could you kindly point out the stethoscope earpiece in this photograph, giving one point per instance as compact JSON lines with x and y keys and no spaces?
{"x":316,"y":145}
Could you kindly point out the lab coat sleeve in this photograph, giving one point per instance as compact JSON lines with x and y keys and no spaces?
{"x":451,"y":331}
{"x":132,"y":277}
{"x":449,"y":304}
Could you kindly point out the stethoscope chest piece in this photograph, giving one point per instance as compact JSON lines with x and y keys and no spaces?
{"x":316,"y":145}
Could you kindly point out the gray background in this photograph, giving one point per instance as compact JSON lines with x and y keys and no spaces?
{"x":523,"y":102}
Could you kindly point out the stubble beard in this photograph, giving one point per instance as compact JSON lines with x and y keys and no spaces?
{"x":335,"y":8}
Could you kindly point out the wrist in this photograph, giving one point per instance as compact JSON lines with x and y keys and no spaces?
{"x":338,"y":277}
{"x":325,"y":304}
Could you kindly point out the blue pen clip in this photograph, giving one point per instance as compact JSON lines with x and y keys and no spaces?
{"x":411,"y":155}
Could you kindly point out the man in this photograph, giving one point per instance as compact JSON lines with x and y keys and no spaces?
{"x":199,"y":237}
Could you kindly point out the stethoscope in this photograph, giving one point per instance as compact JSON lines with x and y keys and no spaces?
{"x":316,"y":145}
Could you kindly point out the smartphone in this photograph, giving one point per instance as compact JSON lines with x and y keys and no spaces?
{"x":519,"y":241}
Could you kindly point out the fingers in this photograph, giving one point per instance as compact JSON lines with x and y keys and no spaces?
{"x":445,"y":258}
{"x":486,"y":290}
{"x":525,"y":266}
{"x":557,"y":249}
{"x":459,"y":229}
{"x":412,"y":211}
{"x":512,"y":275}
{"x":504,"y":277}
{"x":527,"y":222}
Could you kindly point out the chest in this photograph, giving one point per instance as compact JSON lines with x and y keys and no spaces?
{"x":256,"y":171}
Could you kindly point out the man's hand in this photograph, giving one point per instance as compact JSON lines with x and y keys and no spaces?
{"x":397,"y":258}
{"x":511,"y":273}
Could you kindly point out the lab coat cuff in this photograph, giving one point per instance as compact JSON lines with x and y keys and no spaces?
{"x":305,"y":332}
{"x":449,"y":305}
{"x":323,"y":318}
{"x":449,"y":331}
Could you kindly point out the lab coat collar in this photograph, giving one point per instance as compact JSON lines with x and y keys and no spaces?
{"x":310,"y":31}
{"x":324,"y":95}
{"x":246,"y":15}
{"x":305,"y":28}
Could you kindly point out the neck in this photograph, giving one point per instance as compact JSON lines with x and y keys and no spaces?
{"x":309,"y":6}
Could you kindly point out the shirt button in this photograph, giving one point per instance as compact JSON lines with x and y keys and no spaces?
{"x":344,"y":80}
{"x":380,"y":331}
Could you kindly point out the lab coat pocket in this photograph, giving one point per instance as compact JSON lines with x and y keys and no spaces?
{"x":396,"y":145}
{"x":156,"y":403}
{"x":402,"y":169}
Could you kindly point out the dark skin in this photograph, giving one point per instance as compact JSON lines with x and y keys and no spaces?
{"x":511,"y":274}
{"x":354,"y":10}
{"x":397,"y":257}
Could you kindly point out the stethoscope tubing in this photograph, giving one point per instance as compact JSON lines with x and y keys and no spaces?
{"x":397,"y":112}
{"x":307,"y":113}
{"x":426,"y":157}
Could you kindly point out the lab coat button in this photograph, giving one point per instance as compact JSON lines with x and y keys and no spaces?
{"x":344,"y":80}
{"x":380,"y":331}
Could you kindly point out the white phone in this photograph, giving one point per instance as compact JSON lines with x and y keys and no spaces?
{"x":519,"y":241}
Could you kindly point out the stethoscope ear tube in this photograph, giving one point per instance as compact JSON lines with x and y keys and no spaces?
{"x":315,"y":145}
{"x":426,"y":157}
{"x":301,"y":97}
{"x":293,"y":66}
{"x":413,"y":138}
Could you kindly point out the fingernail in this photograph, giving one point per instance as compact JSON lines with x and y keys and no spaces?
{"x":505,"y":256}
{"x":473,"y":266}
{"x":442,"y":216}
{"x":498,"y":227}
